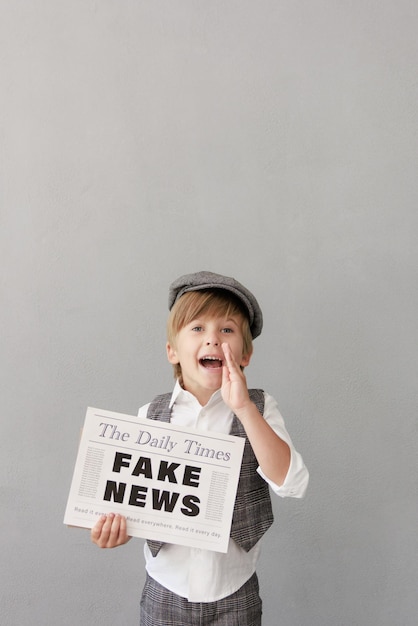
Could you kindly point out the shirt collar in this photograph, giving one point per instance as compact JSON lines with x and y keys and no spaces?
{"x":176,"y":391}
{"x":179,"y":393}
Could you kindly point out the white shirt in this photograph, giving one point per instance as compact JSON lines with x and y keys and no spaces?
{"x":205,"y":575}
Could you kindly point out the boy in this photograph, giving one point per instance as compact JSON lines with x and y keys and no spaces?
{"x":213,"y":320}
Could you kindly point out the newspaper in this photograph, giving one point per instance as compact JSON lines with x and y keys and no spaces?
{"x":173,"y":484}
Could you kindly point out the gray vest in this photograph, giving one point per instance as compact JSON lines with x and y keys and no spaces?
{"x":252,"y":514}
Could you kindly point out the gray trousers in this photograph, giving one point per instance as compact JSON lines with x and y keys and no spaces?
{"x":160,"y":607}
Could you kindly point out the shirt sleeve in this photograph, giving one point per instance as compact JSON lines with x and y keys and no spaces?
{"x":297,"y":477}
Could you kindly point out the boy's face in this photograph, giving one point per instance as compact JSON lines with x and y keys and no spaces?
{"x":198,"y":349}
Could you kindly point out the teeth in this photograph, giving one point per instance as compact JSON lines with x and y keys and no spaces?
{"x":217,"y":362}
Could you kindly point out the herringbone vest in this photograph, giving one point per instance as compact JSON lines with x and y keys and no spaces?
{"x":252,"y":514}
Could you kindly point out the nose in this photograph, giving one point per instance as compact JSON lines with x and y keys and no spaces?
{"x":213,"y":340}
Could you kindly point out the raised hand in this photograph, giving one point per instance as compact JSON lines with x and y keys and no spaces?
{"x":234,"y":384}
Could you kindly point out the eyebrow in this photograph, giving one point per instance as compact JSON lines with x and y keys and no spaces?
{"x":201,"y":320}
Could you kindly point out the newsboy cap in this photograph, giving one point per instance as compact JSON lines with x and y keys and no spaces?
{"x":210,"y":280}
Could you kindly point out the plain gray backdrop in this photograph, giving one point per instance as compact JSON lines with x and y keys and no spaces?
{"x":273,"y":141}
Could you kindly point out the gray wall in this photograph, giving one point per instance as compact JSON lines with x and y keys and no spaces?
{"x":273,"y":141}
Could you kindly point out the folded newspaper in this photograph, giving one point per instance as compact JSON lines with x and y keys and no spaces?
{"x":173,"y":484}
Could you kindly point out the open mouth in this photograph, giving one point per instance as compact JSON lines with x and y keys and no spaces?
{"x":211,"y":362}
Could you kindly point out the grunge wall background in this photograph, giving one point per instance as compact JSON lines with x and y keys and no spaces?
{"x":272,"y":141}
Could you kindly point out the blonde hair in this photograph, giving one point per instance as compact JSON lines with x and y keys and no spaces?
{"x":211,"y":302}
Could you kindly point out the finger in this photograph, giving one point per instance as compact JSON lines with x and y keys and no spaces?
{"x":225,"y":375}
{"x":114,"y":533}
{"x":226,"y":350}
{"x":106,"y":528}
{"x":229,"y":357}
{"x":109,"y":531}
{"x":97,"y":529}
{"x":122,"y":528}
{"x":230,"y":362}
{"x":123,"y":531}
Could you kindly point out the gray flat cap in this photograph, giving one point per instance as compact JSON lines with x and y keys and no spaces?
{"x":210,"y":280}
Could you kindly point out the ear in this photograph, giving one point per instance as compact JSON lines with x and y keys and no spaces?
{"x":171,"y":354}
{"x":246,"y":358}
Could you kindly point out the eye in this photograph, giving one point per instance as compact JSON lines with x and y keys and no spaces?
{"x":197,"y":329}
{"x":227,"y":330}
